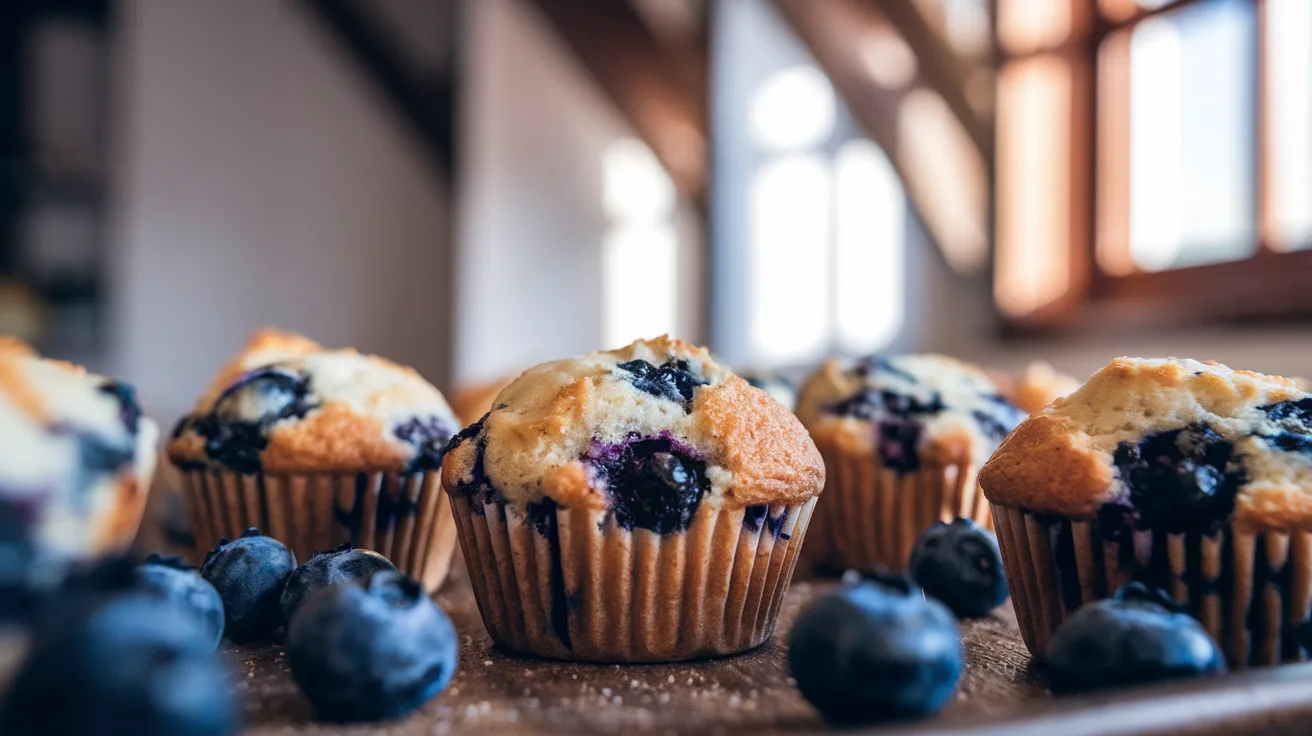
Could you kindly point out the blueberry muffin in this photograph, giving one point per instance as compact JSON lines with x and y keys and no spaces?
{"x":640,"y":504}
{"x":470,"y":401}
{"x":1039,"y":385}
{"x":320,"y":447}
{"x":1186,"y":476}
{"x":902,"y":438}
{"x":76,"y":467}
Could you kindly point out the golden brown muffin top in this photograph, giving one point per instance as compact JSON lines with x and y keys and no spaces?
{"x":76,"y":448}
{"x":1039,"y":385}
{"x":1173,"y":442}
{"x":285,"y":404}
{"x":472,"y":400}
{"x":652,"y":417}
{"x":908,"y":411}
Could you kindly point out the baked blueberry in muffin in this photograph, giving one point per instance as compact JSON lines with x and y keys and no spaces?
{"x":902,"y":437}
{"x":75,"y":467}
{"x":320,"y":447}
{"x":1188,"y":476}
{"x":628,"y":486}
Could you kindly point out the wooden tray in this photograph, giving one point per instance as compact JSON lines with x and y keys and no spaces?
{"x":498,"y":693}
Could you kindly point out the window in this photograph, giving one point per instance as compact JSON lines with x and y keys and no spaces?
{"x":640,"y":250}
{"x":1153,"y":160}
{"x":811,"y":218}
{"x":826,"y":228}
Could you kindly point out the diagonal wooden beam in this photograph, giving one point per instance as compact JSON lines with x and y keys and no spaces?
{"x":947,"y":183}
{"x":661,"y":96}
{"x":939,"y":65}
{"x":426,"y":105}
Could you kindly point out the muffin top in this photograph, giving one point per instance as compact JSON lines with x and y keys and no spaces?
{"x":651,"y":432}
{"x":472,"y":400}
{"x":77,"y":452}
{"x":910,"y":411}
{"x":1165,"y":444}
{"x":284,"y":404}
{"x":1038,"y":386}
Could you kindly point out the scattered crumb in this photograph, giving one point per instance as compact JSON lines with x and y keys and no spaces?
{"x":487,"y":663}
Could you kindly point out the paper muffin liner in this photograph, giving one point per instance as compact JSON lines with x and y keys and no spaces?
{"x":870,"y":516}
{"x":573,"y":585}
{"x":1250,"y":590}
{"x":402,"y":516}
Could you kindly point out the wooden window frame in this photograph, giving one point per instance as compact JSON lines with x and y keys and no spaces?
{"x":1272,"y":283}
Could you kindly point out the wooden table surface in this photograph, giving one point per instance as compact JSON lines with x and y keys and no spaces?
{"x":1000,"y":693}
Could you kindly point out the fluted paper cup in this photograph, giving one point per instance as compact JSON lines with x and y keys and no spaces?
{"x":1251,"y":590}
{"x":870,"y":516}
{"x":402,"y":516}
{"x":573,"y":585}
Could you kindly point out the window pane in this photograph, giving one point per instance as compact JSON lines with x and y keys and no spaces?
{"x":789,"y":271}
{"x":640,"y":258}
{"x":1192,"y":104}
{"x":793,"y":109}
{"x":870,"y":231}
{"x":1027,"y":25}
{"x":1033,"y":184}
{"x":1289,"y":59}
{"x":640,"y":268}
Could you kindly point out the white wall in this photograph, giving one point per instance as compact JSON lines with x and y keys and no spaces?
{"x":260,"y":182}
{"x":531,"y":224}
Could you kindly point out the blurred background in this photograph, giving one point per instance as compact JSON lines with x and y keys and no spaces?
{"x":473,"y":186}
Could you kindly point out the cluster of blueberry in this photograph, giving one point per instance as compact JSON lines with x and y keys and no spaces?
{"x":884,"y":647}
{"x":137,"y":644}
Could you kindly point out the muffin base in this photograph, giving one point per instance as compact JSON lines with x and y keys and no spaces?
{"x":575,"y":586}
{"x":871,"y":516}
{"x":401,"y":516}
{"x":1249,"y":589}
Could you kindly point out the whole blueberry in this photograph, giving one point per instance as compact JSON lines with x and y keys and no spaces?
{"x":960,"y":565}
{"x":136,"y":665}
{"x":340,"y":565}
{"x":874,"y":650}
{"x":173,"y":580}
{"x":249,"y":573}
{"x":373,"y":651}
{"x":1137,"y":636}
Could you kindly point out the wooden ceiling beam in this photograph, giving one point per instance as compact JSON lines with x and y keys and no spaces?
{"x":939,"y":65}
{"x":945,"y":176}
{"x":661,"y":92}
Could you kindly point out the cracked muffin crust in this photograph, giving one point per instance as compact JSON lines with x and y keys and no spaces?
{"x":910,"y":410}
{"x":1174,"y":438}
{"x":77,"y":462}
{"x":575,"y":431}
{"x":285,"y":404}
